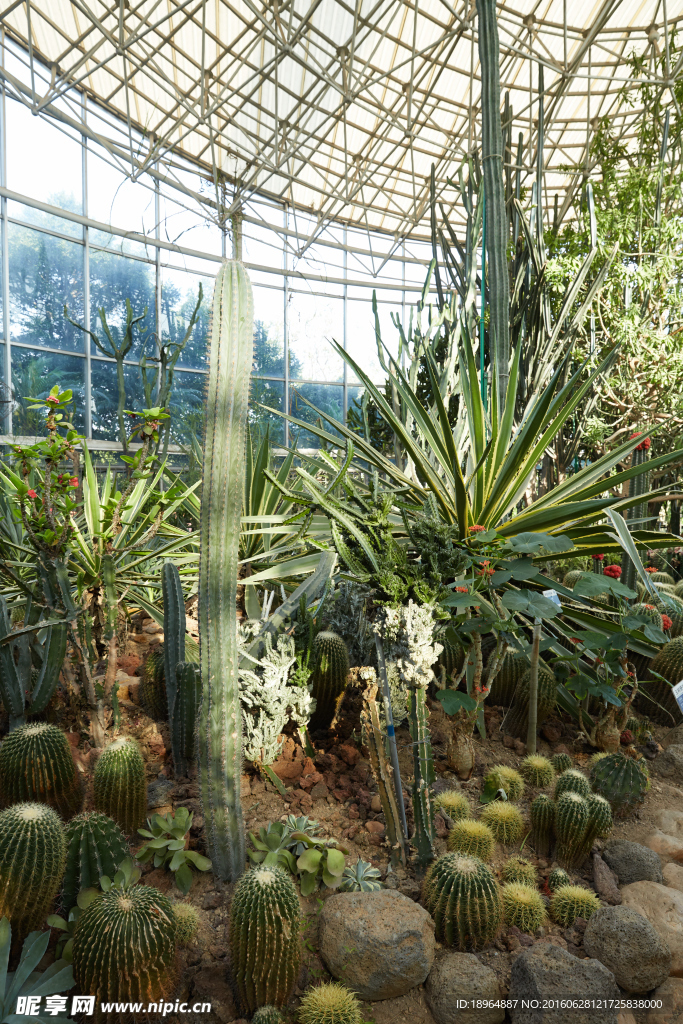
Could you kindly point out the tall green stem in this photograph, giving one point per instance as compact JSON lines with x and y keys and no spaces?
{"x":533,"y":688}
{"x":220,"y":723}
{"x":638,"y":485}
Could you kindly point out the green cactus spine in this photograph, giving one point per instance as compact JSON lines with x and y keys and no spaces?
{"x":330,"y":674}
{"x":518,"y":869}
{"x":329,"y":1004}
{"x":516,"y":721}
{"x":119,"y":787}
{"x":523,"y":906}
{"x":506,"y":778}
{"x":472,"y":839}
{"x":571,"y":820}
{"x":504,"y":820}
{"x":463,"y":896}
{"x":542,"y":813}
{"x":638,"y":485}
{"x":561,"y":763}
{"x":572,"y":901}
{"x":186,"y":711}
{"x":657,"y":702}
{"x":125,"y":946}
{"x":36,"y":764}
{"x":267,"y":1015}
{"x":220,"y":723}
{"x":599,"y":823}
{"x":264,"y":937}
{"x":95,"y":847}
{"x":424,"y":777}
{"x":537,"y":771}
{"x":153,"y":685}
{"x":621,"y":781}
{"x":186,"y":919}
{"x":572,"y":781}
{"x":32,"y":856}
{"x":557,"y":878}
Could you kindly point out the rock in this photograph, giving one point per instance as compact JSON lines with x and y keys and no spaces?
{"x":159,"y":793}
{"x":381,"y":944}
{"x":551,"y":731}
{"x":670,"y":821}
{"x":349,"y":754}
{"x":319,"y":791}
{"x":375,"y":826}
{"x":663,"y":907}
{"x":626,"y":1017}
{"x":667,"y":847}
{"x":627,"y":944}
{"x":462,"y":976}
{"x":547,"y":972}
{"x":632,"y":862}
{"x":672,"y":875}
{"x":673,"y":738}
{"x":129,"y":663}
{"x":376,"y":804}
{"x":670,"y":763}
{"x":134,"y":692}
{"x":671,"y":995}
{"x":605,"y":881}
{"x":210,"y":985}
{"x":211,"y":900}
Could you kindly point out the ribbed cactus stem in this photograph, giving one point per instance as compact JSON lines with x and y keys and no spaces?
{"x":174,"y":652}
{"x":372,"y":732}
{"x":17,"y":677}
{"x":32,"y":856}
{"x":225,"y":424}
{"x":330,"y":673}
{"x":542,"y":813}
{"x":638,"y":485}
{"x":424,"y":776}
{"x":622,"y":781}
{"x":119,"y":786}
{"x":95,"y":847}
{"x":153,"y":685}
{"x":36,"y":764}
{"x":463,"y":896}
{"x":186,"y":710}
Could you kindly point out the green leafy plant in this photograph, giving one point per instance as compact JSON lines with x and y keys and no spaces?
{"x":361,"y":877}
{"x":322,"y":860}
{"x":25,"y":981}
{"x":167,"y":847}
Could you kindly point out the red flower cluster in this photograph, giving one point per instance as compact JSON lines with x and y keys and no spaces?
{"x":650,"y":568}
{"x":666,"y":622}
{"x":626,"y":737}
{"x":53,"y":399}
{"x":32,"y":494}
{"x":486,"y":569}
{"x":650,"y":607}
{"x":644,"y":446}
{"x":461,"y":590}
{"x":612,"y":570}
{"x":477,"y":529}
{"x":574,"y":640}
{"x":599,"y":558}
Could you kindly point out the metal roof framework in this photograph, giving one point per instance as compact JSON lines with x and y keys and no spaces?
{"x":339,"y":108}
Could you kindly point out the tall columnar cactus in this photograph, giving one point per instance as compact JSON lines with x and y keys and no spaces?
{"x":185,"y":713}
{"x":153,"y":685}
{"x":225,"y":425}
{"x":494,"y":193}
{"x":264,"y":937}
{"x":516,"y":721}
{"x":622,"y":781}
{"x":182,"y":697}
{"x":599,"y":824}
{"x":32,"y":856}
{"x":571,"y":821}
{"x":119,"y":785}
{"x":95,"y":847}
{"x":542,"y":813}
{"x":17,"y":676}
{"x":424,"y":777}
{"x":36,"y":764}
{"x":463,"y":896}
{"x":638,"y":485}
{"x":125,"y":946}
{"x":330,"y":674}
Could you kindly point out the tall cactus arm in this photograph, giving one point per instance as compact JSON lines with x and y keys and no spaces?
{"x":494,"y":193}
{"x":220,"y":727}
{"x":174,"y":648}
{"x":11,"y":690}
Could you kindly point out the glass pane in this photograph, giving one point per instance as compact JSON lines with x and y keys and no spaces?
{"x":269,"y":333}
{"x":43,"y":161}
{"x":270,"y":393}
{"x":34,"y":374}
{"x":179,"y":294}
{"x":113,"y":279}
{"x":105,"y":397}
{"x":187,"y":407}
{"x":312,"y":321}
{"x":361,"y":343}
{"x":115,"y":199}
{"x":45,"y":274}
{"x":327,"y":398}
{"x":261,"y":246}
{"x":186,"y":227}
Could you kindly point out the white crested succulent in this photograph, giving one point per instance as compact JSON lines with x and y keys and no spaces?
{"x":409,"y":650}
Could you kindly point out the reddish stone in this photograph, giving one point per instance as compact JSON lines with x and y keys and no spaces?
{"x":440,"y":826}
{"x":341,"y":794}
{"x":349,"y":754}
{"x":509,"y":741}
{"x":363,"y":797}
{"x":362,"y":772}
{"x":375,"y":826}
{"x":354,"y":812}
{"x":73,"y":738}
{"x":344,"y":782}
{"x":319,"y":791}
{"x":376,"y":840}
{"x":561,"y":748}
{"x":309,"y":768}
{"x":130,"y":664}
{"x":551,"y":732}
{"x":330,"y":780}
{"x":520,"y":748}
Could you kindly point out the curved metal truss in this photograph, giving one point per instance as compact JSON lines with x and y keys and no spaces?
{"x":340,"y":107}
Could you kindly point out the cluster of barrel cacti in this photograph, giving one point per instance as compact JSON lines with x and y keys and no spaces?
{"x":577,"y":816}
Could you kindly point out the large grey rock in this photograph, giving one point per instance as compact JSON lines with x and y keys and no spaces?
{"x":663,"y":907}
{"x":670,"y":763}
{"x":547,"y":973}
{"x":670,"y":994}
{"x":628,"y":945}
{"x":632,"y":862}
{"x":381,"y":944}
{"x":462,"y":976}
{"x":605,"y":882}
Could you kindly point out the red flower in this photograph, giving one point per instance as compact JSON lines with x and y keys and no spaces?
{"x":644,"y":446}
{"x":53,"y":399}
{"x":74,"y":481}
{"x":486,"y":569}
{"x":650,"y":568}
{"x":650,"y":607}
{"x":612,"y":570}
{"x":461,"y":590}
{"x":477,"y":529}
{"x":574,"y":640}
{"x":666,"y":622}
{"x":598,"y":557}
{"x":32,"y":494}
{"x":626,"y":737}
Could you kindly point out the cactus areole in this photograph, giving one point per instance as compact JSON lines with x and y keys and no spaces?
{"x":219,"y":732}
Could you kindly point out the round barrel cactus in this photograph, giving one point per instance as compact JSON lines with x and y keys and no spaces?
{"x":119,"y":786}
{"x":542,"y":814}
{"x":32,"y":857}
{"x":463,"y":896}
{"x":95,"y":847}
{"x":622,"y":781}
{"x":330,"y":674}
{"x":36,"y":764}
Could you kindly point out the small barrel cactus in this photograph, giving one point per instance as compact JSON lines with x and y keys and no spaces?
{"x":572,"y":901}
{"x":454,"y":803}
{"x":267,"y":1015}
{"x":36,"y":764}
{"x":463,"y":897}
{"x":572,"y":781}
{"x":571,"y":578}
{"x":542,"y":814}
{"x":518,"y":869}
{"x":32,"y":856}
{"x":558,"y":877}
{"x":571,"y":820}
{"x":119,"y":787}
{"x":594,"y":758}
{"x":330,"y":1004}
{"x":152,"y":690}
{"x":264,"y":937}
{"x":647,"y":611}
{"x":504,"y":820}
{"x":537,"y":771}
{"x":125,"y":946}
{"x":330,"y":659}
{"x":504,"y":777}
{"x":663,"y":577}
{"x":622,"y":781}
{"x":561,"y":763}
{"x":523,"y":906}
{"x":186,"y":919}
{"x":472,"y":839}
{"x":95,"y":847}
{"x":362,"y":877}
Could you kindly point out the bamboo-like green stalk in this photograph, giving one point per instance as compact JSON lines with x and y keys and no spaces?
{"x":639,"y":484}
{"x":533,"y":688}
{"x":496,"y":216}
{"x":220,"y":726}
